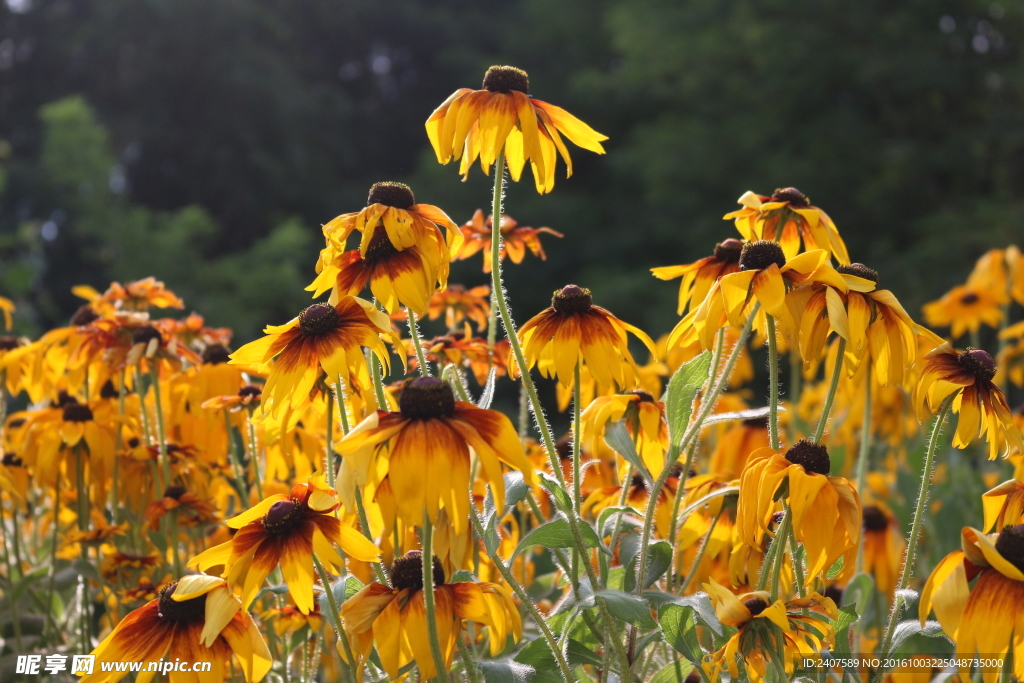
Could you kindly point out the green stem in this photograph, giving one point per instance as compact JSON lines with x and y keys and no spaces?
{"x":160,"y":433}
{"x":781,"y":536}
{"x":577,"y":434}
{"x":467,"y":661}
{"x":428,"y":595}
{"x":863,"y":455}
{"x":329,"y":450}
{"x":254,"y":457}
{"x":378,"y":383}
{"x":364,"y":524}
{"x":414,"y":333}
{"x":798,"y":568}
{"x":769,"y":559}
{"x":53,"y":558}
{"x":837,"y":372}
{"x":341,"y":405}
{"x":12,"y":602}
{"x":115,"y":498}
{"x":333,"y":614}
{"x":796,"y":380}
{"x":915,"y":529}
{"x":236,"y":466}
{"x":527,"y":602}
{"x":773,"y":384}
{"x":700,"y":554}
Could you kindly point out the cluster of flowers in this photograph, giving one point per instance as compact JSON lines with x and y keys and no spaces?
{"x":206,"y":498}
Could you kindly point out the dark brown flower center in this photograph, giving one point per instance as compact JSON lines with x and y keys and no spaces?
{"x":407,"y":571}
{"x":979,"y":363}
{"x":8,"y":343}
{"x":175,"y":492}
{"x":506,"y":79}
{"x":564,"y":447}
{"x":1010,"y":545}
{"x":64,"y":398}
{"x":84,"y":315}
{"x":108,"y":390}
{"x":11,"y":460}
{"x":643,"y":396}
{"x":835,"y":593}
{"x":380,"y":246}
{"x":318,"y":320}
{"x":637,"y":481}
{"x":756,"y":422}
{"x":729,"y":250}
{"x":426,"y":397}
{"x":969,"y":298}
{"x":77,"y":412}
{"x":874,"y":519}
{"x":216,"y":354}
{"x":572,"y":299}
{"x":813,"y":457}
{"x":859,"y":270}
{"x":281,"y":517}
{"x":792,"y":196}
{"x":756,"y":606}
{"x":397,"y":195}
{"x":250,"y":391}
{"x":761,"y":254}
{"x":145,"y":334}
{"x":185,"y":612}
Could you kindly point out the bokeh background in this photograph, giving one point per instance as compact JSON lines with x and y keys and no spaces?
{"x":206,"y":142}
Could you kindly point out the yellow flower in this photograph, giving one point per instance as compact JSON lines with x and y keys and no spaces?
{"x":423,"y":450}
{"x":645,"y":419}
{"x":195,"y":619}
{"x":502,"y":116}
{"x":458,"y":303}
{"x":787,"y":217}
{"x":396,"y":618}
{"x":983,"y":618}
{"x":826,"y":510}
{"x":322,"y":337}
{"x":573,"y":330}
{"x":1003,"y":505}
{"x":7,"y":308}
{"x":699,"y":276}
{"x":883,"y":546}
{"x":792,"y":629}
{"x":286,"y":530}
{"x":515,"y":239}
{"x":980,"y":403}
{"x":140,"y":295}
{"x":965,"y":309}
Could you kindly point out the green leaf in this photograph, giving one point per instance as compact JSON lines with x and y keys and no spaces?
{"x":630,"y":520}
{"x":676,"y":672}
{"x":682,"y":389}
{"x":750,"y":414}
{"x":836,"y":569}
{"x":506,"y":671}
{"x":659,"y":558}
{"x":912,"y":627}
{"x":645,"y":640}
{"x":538,"y":655}
{"x":463,"y":576}
{"x":858,"y":592}
{"x":556,"y":534}
{"x":515,"y":488}
{"x":617,"y":437}
{"x":679,"y":625}
{"x":352,"y":586}
{"x":631,"y":608}
{"x":558,"y":494}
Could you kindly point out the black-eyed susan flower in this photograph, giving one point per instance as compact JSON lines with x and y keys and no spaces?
{"x":286,"y":530}
{"x":7,"y":308}
{"x":515,"y":239}
{"x":573,"y":330}
{"x":1003,"y":505}
{"x":697,"y":277}
{"x":395,"y":618}
{"x":645,"y":419}
{"x":976,"y":594}
{"x":787,"y":217}
{"x":765,"y":274}
{"x":638,"y":497}
{"x":965,"y":309}
{"x":188,"y":508}
{"x":736,"y":445}
{"x":458,"y":303}
{"x":502,"y":116}
{"x":69,"y":427}
{"x":322,"y":338}
{"x":981,"y":405}
{"x":883,"y":546}
{"x":194,"y":619}
{"x":825,"y":510}
{"x":871,"y":320}
{"x":140,"y":295}
{"x":768,"y":632}
{"x":423,"y":450}
{"x":406,"y":277}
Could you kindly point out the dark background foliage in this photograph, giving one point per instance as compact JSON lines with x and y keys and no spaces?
{"x":206,"y":142}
